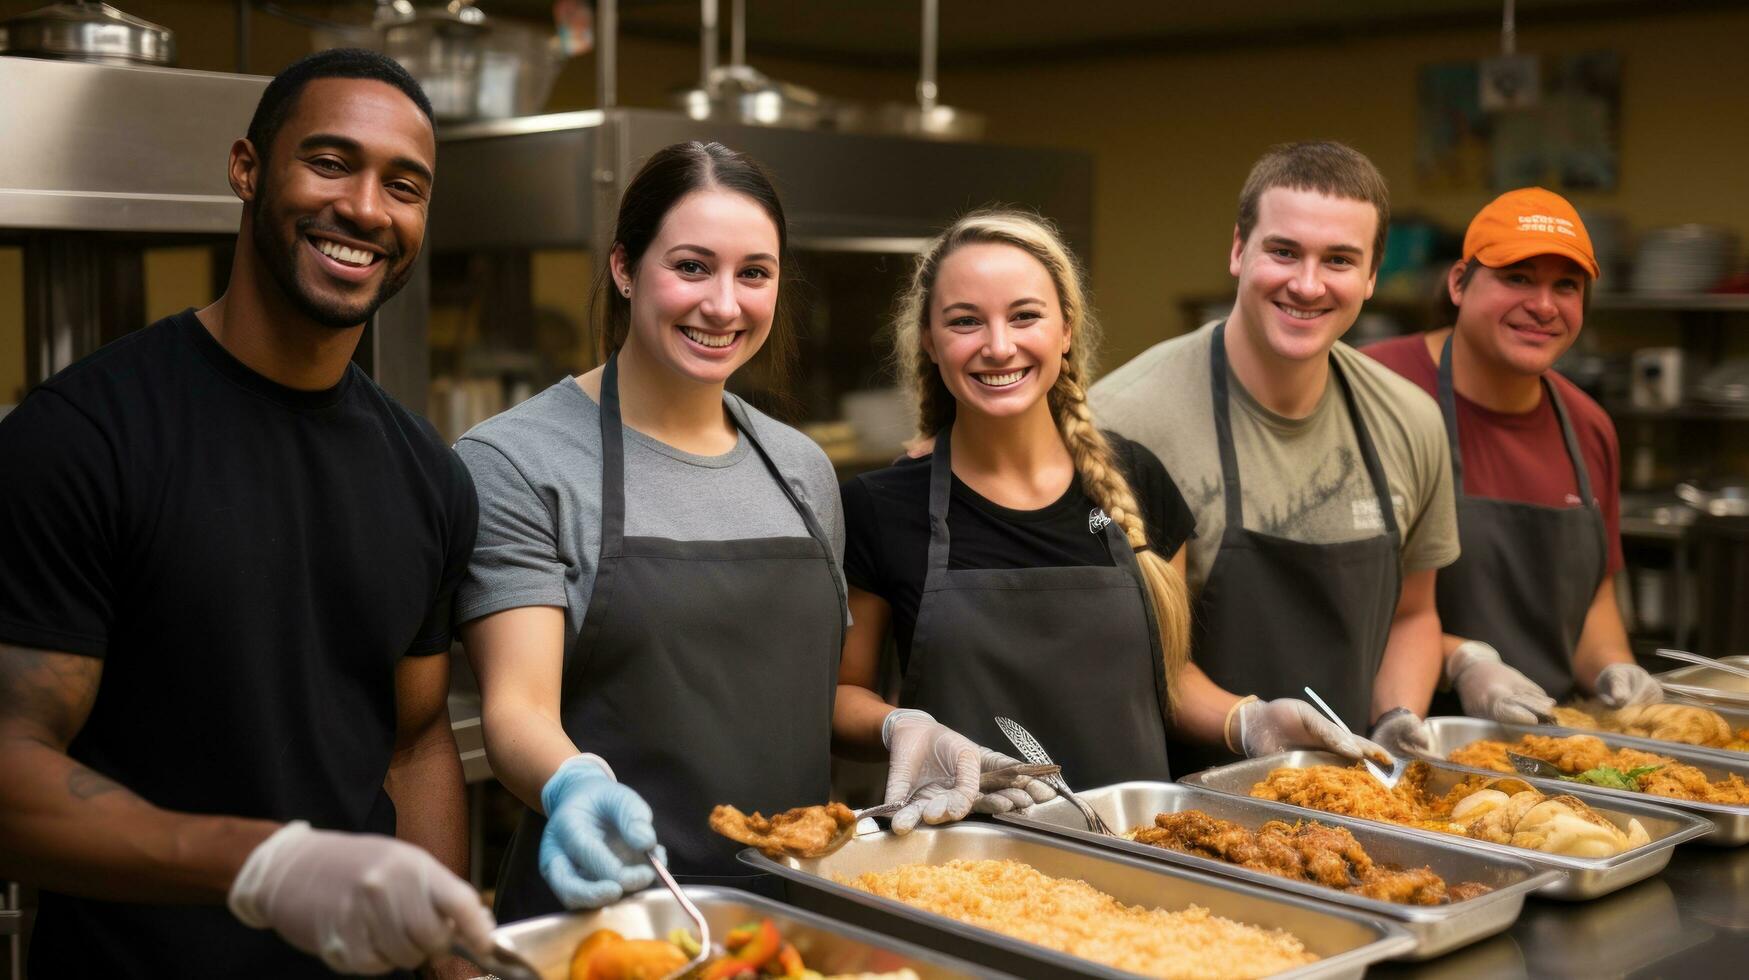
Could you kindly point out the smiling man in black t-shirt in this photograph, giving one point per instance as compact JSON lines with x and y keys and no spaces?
{"x":226,"y":565}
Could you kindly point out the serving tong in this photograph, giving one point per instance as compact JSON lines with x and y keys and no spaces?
{"x":1002,"y":777}
{"x":1531,"y":766}
{"x":1389,"y":779}
{"x":1684,"y":656}
{"x":1033,"y":752}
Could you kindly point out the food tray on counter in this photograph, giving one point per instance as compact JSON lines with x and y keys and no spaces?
{"x":1709,"y":686}
{"x":1437,"y":928}
{"x":1582,"y":878}
{"x":1346,"y":940}
{"x":546,"y":943}
{"x":1737,"y":718}
{"x":1730,"y":823}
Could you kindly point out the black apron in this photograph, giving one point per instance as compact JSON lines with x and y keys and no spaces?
{"x":1528,"y":573}
{"x":1072,"y":653}
{"x":1275,"y":615}
{"x":704,"y":673}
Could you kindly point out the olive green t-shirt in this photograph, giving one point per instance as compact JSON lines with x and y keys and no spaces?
{"x":1303,"y":479}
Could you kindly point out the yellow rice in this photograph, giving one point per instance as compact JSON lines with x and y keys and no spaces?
{"x":1074,"y":917}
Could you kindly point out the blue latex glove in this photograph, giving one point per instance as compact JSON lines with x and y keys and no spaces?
{"x":592,"y":852}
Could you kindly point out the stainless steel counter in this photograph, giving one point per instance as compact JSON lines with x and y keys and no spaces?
{"x":1691,"y":921}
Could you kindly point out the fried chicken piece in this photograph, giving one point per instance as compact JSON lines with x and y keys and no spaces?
{"x":802,"y":831}
{"x":1466,"y":891}
{"x":1310,"y":852}
{"x":1413,"y":886}
{"x":1337,"y":789}
{"x":1574,"y":716}
{"x":1576,"y":753}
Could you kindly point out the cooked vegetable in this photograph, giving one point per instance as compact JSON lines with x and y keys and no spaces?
{"x":1610,"y":777}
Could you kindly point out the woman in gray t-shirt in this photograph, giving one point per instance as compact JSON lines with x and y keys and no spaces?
{"x":654,"y":605}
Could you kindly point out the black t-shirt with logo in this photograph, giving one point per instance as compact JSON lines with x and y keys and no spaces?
{"x":250,"y":562}
{"x":886,"y":537}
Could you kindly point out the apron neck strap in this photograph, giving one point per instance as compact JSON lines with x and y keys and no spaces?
{"x":940,"y":491}
{"x":613,"y":460}
{"x":1230,"y":487}
{"x":1448,"y":409}
{"x":613,"y":457}
{"x":1230,"y":457}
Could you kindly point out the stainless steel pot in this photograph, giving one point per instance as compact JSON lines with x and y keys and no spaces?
{"x":85,"y":30}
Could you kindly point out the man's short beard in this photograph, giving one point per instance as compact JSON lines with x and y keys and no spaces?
{"x":280,"y":257}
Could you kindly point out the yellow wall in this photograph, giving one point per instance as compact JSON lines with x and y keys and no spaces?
{"x":1173,"y":137}
{"x":11,"y":325}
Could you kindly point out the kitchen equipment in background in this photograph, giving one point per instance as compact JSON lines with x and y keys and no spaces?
{"x":1656,"y":378}
{"x":1720,"y":539}
{"x":1728,"y":500}
{"x":1726,"y":385}
{"x":1684,"y":259}
{"x":881,"y":417}
{"x":84,"y":30}
{"x":929,"y":118}
{"x":739,"y":93}
{"x":470,"y":65}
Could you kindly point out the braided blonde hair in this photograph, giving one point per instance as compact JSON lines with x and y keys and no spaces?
{"x":1095,"y":463}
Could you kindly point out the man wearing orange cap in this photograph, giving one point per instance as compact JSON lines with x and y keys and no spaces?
{"x":1528,"y":609}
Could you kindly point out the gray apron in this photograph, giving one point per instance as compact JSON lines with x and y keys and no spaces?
{"x":704,"y":673}
{"x":1276,"y":615}
{"x":1072,"y":653}
{"x":1527,"y":573}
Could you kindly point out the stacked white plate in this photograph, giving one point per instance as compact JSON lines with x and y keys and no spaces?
{"x":1684,"y":259}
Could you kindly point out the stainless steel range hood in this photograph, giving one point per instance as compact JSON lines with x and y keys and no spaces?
{"x":554,"y":181}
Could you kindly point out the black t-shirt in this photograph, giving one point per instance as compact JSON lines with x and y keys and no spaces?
{"x":250,"y":562}
{"x":886,"y":529}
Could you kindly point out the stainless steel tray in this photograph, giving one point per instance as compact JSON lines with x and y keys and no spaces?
{"x":1346,"y":940}
{"x":1583,"y":878}
{"x":1730,"y":824}
{"x":1437,"y":928}
{"x":1709,"y":685}
{"x":546,"y":943}
{"x":1737,"y":718}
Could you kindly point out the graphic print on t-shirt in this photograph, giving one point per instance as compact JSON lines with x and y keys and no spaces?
{"x":1096,"y":520}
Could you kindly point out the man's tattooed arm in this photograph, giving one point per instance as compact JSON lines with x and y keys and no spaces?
{"x":70,"y":828}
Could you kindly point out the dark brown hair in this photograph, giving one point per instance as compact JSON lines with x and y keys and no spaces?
{"x":1326,"y":167}
{"x":1447,"y":311}
{"x":665,"y":179}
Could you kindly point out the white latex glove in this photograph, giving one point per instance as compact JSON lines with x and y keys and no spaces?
{"x":364,"y":903}
{"x":1268,"y":727}
{"x":1489,"y":688}
{"x":999,"y":794}
{"x":920,"y":751}
{"x":1620,"y":685}
{"x":1402,"y":732}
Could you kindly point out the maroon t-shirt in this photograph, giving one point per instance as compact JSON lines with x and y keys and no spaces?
{"x":1510,"y":456}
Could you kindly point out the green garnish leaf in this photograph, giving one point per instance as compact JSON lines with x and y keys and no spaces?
{"x":1610,"y":777}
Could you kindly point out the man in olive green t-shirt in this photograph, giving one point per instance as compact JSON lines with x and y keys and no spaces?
{"x":1317,"y":585}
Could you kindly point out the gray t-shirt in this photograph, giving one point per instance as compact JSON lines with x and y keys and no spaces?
{"x":537,"y":468}
{"x":1304,"y":479}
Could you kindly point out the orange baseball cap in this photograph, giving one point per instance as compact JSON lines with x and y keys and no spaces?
{"x":1527,"y":222}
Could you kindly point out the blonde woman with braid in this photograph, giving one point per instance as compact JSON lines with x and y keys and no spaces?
{"x":1030,"y":565}
{"x":1022,"y":566}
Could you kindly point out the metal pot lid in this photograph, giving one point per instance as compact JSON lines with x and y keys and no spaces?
{"x":88,"y":31}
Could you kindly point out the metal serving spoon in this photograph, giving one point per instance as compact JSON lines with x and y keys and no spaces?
{"x":692,"y":912}
{"x":1398,"y":766}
